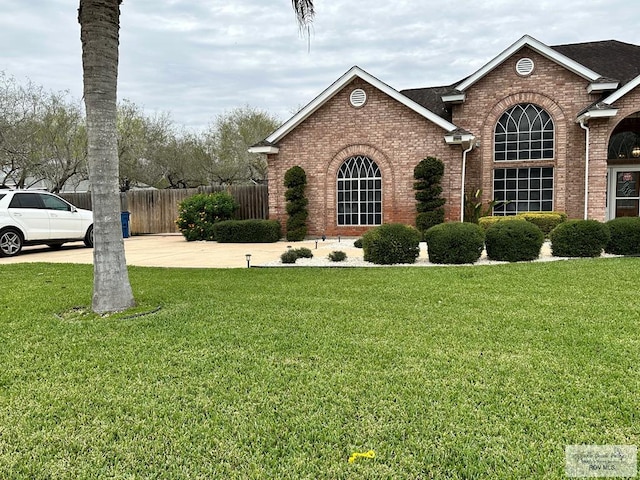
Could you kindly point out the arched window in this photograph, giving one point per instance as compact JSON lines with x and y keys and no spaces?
{"x":524,"y":132}
{"x":359,"y":192}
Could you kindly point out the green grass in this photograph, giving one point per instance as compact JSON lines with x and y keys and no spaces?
{"x":453,"y":372}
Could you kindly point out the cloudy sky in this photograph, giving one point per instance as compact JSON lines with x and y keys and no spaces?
{"x":199,"y":58}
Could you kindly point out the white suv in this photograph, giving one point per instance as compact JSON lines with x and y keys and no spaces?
{"x":31,"y":217}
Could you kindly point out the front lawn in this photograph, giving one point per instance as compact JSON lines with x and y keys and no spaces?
{"x":444,"y":372}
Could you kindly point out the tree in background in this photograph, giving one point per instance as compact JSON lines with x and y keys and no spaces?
{"x":428,"y":175}
{"x":62,"y":144}
{"x":42,"y":136}
{"x":228,"y":140}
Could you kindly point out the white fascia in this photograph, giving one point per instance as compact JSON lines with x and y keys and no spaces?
{"x":602,"y":87}
{"x":542,"y":49}
{"x":335,"y":87}
{"x":617,"y":95}
{"x":600,"y":113}
{"x":459,"y":138}
{"x":264,"y":149}
{"x":454,"y":98}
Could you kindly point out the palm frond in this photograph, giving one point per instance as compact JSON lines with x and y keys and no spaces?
{"x":304,"y":13}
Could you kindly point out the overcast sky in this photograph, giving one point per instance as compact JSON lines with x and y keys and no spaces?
{"x":199,"y":58}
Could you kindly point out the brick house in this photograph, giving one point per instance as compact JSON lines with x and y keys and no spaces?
{"x":544,"y":128}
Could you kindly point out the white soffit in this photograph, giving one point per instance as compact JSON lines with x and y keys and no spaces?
{"x":335,"y":87}
{"x":542,"y":49}
{"x":264,"y":149}
{"x":602,"y":87}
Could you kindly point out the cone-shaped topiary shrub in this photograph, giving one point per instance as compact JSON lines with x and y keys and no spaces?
{"x":513,"y":241}
{"x":428,"y":175}
{"x":455,"y":243}
{"x":579,"y":238}
{"x":625,"y":236}
{"x":391,"y":243}
{"x":295,"y":179}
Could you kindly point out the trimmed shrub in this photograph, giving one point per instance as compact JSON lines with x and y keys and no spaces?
{"x":486,"y":222}
{"x":391,"y":243}
{"x":579,"y":238}
{"x":513,"y":241}
{"x":625,"y":236}
{"x":455,"y":243}
{"x":247,"y":231}
{"x":428,"y":175}
{"x":289,"y":256}
{"x":198,"y":214}
{"x":295,"y":179}
{"x":337,"y":256}
{"x":545,"y":221}
{"x":303,"y":252}
{"x":358,"y":243}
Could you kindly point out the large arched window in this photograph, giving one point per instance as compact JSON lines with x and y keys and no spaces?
{"x":359,"y":192}
{"x":524,"y":132}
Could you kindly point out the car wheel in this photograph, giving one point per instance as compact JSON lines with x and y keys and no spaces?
{"x":55,"y":246}
{"x":10,"y":242}
{"x":88,"y":238}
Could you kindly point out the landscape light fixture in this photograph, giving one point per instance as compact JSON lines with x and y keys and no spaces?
{"x":636,"y":151}
{"x":248,"y":257}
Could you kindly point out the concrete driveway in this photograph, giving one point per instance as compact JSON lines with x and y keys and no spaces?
{"x":172,"y":250}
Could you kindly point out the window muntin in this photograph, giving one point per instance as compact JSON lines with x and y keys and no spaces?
{"x":524,"y":132}
{"x":518,"y":190}
{"x":359,"y":190}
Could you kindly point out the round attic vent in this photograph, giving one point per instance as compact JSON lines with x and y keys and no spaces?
{"x":524,"y":66}
{"x":358,"y":97}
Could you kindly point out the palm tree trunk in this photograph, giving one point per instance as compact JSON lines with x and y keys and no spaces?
{"x":99,"y":32}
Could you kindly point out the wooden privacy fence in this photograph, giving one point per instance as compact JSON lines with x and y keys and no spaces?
{"x":155,"y":211}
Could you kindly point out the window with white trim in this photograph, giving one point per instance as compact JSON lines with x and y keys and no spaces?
{"x":517,"y":190}
{"x":359,"y":192}
{"x":524,"y":132}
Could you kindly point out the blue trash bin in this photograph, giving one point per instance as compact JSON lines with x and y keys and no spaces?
{"x":124,"y":219}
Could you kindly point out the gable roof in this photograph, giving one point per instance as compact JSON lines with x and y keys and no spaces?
{"x":542,"y":49}
{"x":608,"y":65}
{"x":612,"y":59}
{"x":332,"y":90}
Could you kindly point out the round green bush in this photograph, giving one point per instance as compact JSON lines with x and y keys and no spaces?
{"x":579,"y":238}
{"x":454,"y":243}
{"x":337,"y":256}
{"x":545,"y":221}
{"x":513,"y":241}
{"x":391,"y":243}
{"x":290,"y":256}
{"x":625,"y":236}
{"x":197,"y":214}
{"x":358,"y":243}
{"x":303,"y":252}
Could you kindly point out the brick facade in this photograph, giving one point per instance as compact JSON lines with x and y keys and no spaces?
{"x":397,"y":138}
{"x":389,"y":133}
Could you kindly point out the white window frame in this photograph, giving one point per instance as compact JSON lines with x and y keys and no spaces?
{"x":366,"y":188}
